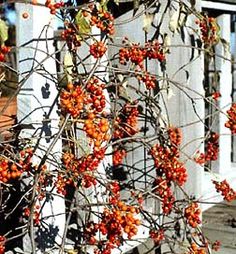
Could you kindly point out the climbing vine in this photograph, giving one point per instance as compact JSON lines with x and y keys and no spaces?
{"x":122,"y":169}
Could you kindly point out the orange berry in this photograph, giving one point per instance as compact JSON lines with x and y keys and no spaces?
{"x":127,"y":229}
{"x":106,"y":137}
{"x":104,"y":128}
{"x":2,"y":57}
{"x":4,"y":180}
{"x":13,"y":167}
{"x":85,"y":13}
{"x":124,"y":208}
{"x":4,"y":173}
{"x":97,"y":143}
{"x":70,"y":86}
{"x":18,"y":173}
{"x":132,"y":209}
{"x":14,"y":174}
{"x":91,"y":116}
{"x":137,"y":222}
{"x":25,"y":15}
{"x":134,"y":231}
{"x":120,"y":204}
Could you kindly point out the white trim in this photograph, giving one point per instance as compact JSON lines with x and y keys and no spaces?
{"x":218,"y":6}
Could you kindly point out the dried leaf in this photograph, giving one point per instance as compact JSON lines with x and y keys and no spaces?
{"x":174,"y":21}
{"x":103,"y":5}
{"x":68,"y":66}
{"x":136,"y":5}
{"x":147,"y":21}
{"x":166,"y":43}
{"x":170,"y":93}
{"x":2,"y":76}
{"x":120,"y":77}
{"x":82,"y":23}
{"x":19,"y":250}
{"x":123,"y":91}
{"x":71,"y":251}
{"x":182,"y":16}
{"x":3,"y":31}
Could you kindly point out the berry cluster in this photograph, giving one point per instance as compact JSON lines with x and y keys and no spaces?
{"x":8,"y":171}
{"x":36,"y":214}
{"x":118,"y":156}
{"x":148,"y":79}
{"x":216,"y":95}
{"x":195,"y":249}
{"x":93,"y":17}
{"x":157,"y":235}
{"x":97,"y":130}
{"x":102,"y":19}
{"x":79,"y":170}
{"x":168,"y":168}
{"x":72,"y":99}
{"x":209,"y":31}
{"x":226,"y":191}
{"x":155,"y":51}
{"x":3,"y":51}
{"x":136,"y":54}
{"x":2,"y":244}
{"x":12,"y":170}
{"x":53,"y":6}
{"x":175,"y":136}
{"x":192,"y":214}
{"x":114,"y":192}
{"x":212,"y":149}
{"x":167,"y":164}
{"x":61,"y":183}
{"x":96,"y":95}
{"x":45,"y":180}
{"x":216,"y":245}
{"x":162,"y":188}
{"x":113,"y":224}
{"x":98,"y":49}
{"x":126,"y":122}
{"x":25,"y":159}
{"x":125,"y":125}
{"x":231,"y":123}
{"x":70,"y":35}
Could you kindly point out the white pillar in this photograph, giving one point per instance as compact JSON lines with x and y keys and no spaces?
{"x":224,"y":68}
{"x":233,"y":51}
{"x":38,"y":80}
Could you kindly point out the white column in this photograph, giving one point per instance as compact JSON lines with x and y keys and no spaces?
{"x":233,"y":51}
{"x":224,"y":68}
{"x":38,"y":80}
